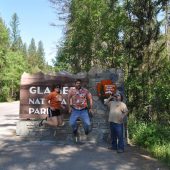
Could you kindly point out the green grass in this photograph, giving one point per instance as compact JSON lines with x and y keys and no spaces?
{"x":152,"y":136}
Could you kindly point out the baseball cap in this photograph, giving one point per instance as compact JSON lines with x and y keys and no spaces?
{"x":118,"y":93}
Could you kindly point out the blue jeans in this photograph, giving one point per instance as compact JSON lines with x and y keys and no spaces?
{"x":117,"y":136}
{"x":83,"y":115}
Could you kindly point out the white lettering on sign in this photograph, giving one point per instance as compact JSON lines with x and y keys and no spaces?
{"x":38,"y":111}
{"x":41,"y":101}
{"x":36,"y":101}
{"x":38,"y":90}
{"x":47,"y":90}
{"x":65,"y":90}
{"x":64,"y":102}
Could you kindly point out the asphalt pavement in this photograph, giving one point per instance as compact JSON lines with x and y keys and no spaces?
{"x":17,"y":153}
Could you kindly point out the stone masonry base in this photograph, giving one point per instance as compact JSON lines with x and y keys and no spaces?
{"x":30,"y":129}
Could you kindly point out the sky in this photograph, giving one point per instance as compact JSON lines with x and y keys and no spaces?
{"x":35,"y":17}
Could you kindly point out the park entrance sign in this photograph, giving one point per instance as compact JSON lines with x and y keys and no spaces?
{"x":34,"y":87}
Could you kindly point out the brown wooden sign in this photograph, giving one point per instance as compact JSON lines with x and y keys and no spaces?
{"x":35,"y":87}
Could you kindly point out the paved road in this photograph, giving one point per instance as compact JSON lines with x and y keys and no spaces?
{"x":20,"y":154}
{"x":9,"y":115}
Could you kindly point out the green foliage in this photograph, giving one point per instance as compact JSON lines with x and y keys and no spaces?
{"x":16,"y":59}
{"x":15,"y":66}
{"x":121,"y":34}
{"x":152,"y":136}
{"x":162,"y":152}
{"x":41,"y":55}
{"x":35,"y":57}
{"x":5,"y":90}
{"x":16,"y":42}
{"x":90,"y":24}
{"x":161,"y":88}
{"x":32,"y":59}
{"x":4,"y":43}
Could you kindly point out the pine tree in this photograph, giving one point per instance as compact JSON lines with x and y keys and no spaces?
{"x":4,"y":42}
{"x":24,"y":50}
{"x":15,"y":33}
{"x":41,"y":55}
{"x":32,"y":55}
{"x":4,"y":45}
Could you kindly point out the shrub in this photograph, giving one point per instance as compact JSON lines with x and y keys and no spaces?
{"x":152,"y":136}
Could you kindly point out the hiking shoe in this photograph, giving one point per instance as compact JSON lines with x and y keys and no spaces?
{"x":75,"y":139}
{"x":86,"y":133}
{"x":41,"y":123}
{"x":75,"y":133}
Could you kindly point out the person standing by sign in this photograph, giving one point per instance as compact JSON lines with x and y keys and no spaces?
{"x":54,"y":100}
{"x":78,"y":99}
{"x":118,"y":111}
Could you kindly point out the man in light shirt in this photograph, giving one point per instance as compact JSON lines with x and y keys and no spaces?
{"x":117,"y":111}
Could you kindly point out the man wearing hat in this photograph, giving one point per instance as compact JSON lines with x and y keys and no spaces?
{"x":117,"y":111}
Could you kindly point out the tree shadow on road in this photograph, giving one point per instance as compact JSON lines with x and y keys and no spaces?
{"x":42,"y":155}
